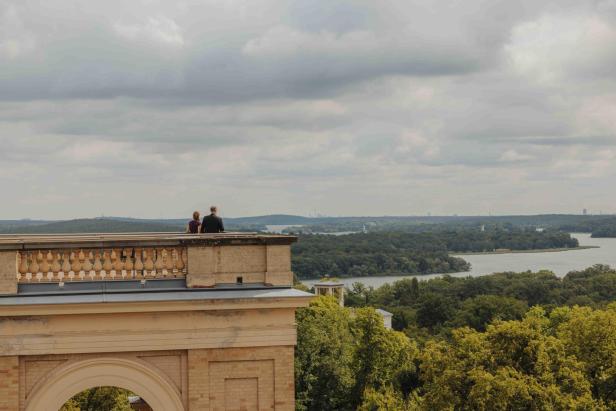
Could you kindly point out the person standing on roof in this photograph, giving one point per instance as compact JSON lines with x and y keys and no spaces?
{"x":212,"y":223}
{"x":194,"y":224}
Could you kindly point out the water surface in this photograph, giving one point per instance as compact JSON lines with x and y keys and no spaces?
{"x":482,"y":264}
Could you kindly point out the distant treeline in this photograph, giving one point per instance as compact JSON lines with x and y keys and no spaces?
{"x":393,"y":253}
{"x":599,"y":225}
{"x":605,"y":231}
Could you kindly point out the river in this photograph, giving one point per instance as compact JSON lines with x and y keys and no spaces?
{"x":482,"y":264}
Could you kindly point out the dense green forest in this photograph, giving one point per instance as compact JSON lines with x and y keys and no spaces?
{"x":443,"y":303}
{"x":605,"y":230}
{"x":527,"y":341}
{"x":599,"y":226}
{"x":393,"y":253}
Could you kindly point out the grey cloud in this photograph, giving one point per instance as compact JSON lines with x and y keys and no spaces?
{"x":305,"y":50}
{"x":344,"y":106}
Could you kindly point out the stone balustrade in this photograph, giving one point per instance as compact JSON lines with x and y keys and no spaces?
{"x":203,"y":260}
{"x":101,"y":264}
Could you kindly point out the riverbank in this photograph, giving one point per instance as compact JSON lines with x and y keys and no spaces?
{"x":539,"y":250}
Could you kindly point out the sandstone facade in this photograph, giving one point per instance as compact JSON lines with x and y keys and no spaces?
{"x":213,"y":332}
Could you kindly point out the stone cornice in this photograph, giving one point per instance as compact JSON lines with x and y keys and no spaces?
{"x":154,"y":306}
{"x":64,"y":241}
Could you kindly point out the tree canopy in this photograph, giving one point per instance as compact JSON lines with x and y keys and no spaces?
{"x":502,"y":342}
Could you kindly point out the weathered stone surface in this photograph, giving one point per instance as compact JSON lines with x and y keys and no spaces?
{"x":208,"y":266}
{"x":202,"y":266}
{"x":256,"y":378}
{"x":9,"y":383}
{"x":8,"y":272}
{"x":195,"y":354}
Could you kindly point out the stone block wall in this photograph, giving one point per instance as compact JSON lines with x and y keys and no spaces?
{"x":221,"y":379}
{"x":8,"y":272}
{"x":211,"y":265}
{"x":241,"y":379}
{"x":9,"y":383}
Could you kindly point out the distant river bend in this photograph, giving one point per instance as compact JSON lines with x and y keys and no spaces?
{"x":482,"y":264}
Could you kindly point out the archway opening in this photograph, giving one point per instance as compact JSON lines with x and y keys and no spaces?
{"x":132,"y":375}
{"x":106,"y":399}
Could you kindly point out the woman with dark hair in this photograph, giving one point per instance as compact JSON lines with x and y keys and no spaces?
{"x":193,"y":226}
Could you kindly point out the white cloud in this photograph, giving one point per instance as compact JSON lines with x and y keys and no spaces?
{"x":15,"y":39}
{"x":553,"y":47}
{"x":158,"y":29}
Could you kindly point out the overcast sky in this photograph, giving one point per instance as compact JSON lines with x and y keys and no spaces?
{"x":356,"y":107}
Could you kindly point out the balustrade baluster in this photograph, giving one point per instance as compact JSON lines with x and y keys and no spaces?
{"x":70,"y":276}
{"x":49,"y":257}
{"x":56,"y":266}
{"x":128,"y":262}
{"x":118,"y":264}
{"x":158,"y":265}
{"x":149,"y":263}
{"x":173,"y":254}
{"x":107,"y":266}
{"x":66,"y":266}
{"x":98,"y":266}
{"x":82,"y":258}
{"x":43,"y":264}
{"x":168,"y":261}
{"x":179,"y":263}
{"x":112,"y":260}
{"x":76,"y":264}
{"x":138,"y":262}
{"x":184,"y":259}
{"x":34,"y":266}
{"x":23,"y":266}
{"x":88,"y":268}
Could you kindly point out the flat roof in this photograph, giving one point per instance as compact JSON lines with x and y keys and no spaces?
{"x":383,"y":312}
{"x":328,"y":283}
{"x":105,"y":292}
{"x":102,"y":240}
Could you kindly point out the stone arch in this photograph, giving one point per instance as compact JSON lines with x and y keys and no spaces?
{"x":132,"y":375}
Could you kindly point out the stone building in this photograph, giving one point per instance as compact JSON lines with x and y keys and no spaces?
{"x":331,"y":288}
{"x":186,"y":322}
{"x":336,"y":289}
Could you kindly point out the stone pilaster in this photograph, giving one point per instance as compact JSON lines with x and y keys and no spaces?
{"x":278,"y":270}
{"x":9,"y":383}
{"x":202,"y":267}
{"x":8,"y":272}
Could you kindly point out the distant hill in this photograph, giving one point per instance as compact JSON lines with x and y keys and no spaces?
{"x":21,"y":223}
{"x":91,"y":225}
{"x":275,"y":219}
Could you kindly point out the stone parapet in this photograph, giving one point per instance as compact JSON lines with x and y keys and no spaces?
{"x":225,"y":264}
{"x":187,"y":322}
{"x":205,"y":260}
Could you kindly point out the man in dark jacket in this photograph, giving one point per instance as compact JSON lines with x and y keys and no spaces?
{"x":212,"y":223}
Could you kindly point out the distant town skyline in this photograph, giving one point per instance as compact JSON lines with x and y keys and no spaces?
{"x":403,"y":107}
